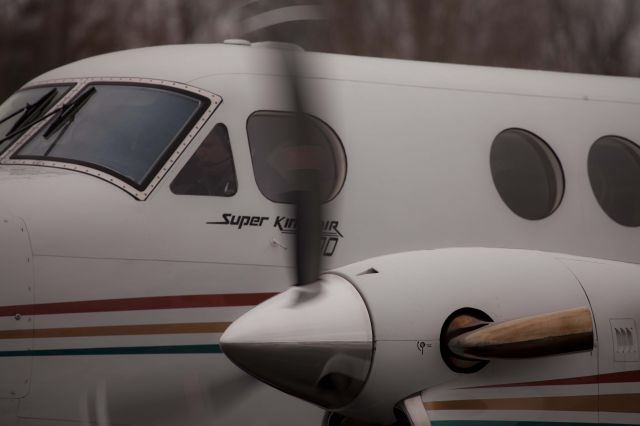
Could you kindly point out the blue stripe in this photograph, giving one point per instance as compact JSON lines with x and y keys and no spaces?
{"x":140,"y":350}
{"x":517,"y":423}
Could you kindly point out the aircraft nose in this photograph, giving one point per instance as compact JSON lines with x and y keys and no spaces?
{"x":314,"y":342}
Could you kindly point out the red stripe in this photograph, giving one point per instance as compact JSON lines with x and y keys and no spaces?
{"x":619,"y":377}
{"x":138,"y":303}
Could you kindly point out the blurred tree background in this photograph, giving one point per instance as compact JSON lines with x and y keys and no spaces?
{"x":589,"y":36}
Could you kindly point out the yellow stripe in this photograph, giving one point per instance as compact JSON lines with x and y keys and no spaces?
{"x":117,"y":330}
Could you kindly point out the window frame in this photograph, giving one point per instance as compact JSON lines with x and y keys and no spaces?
{"x":340,"y":154}
{"x":210,"y":103}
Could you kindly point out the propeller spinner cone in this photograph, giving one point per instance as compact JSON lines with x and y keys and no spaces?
{"x":318,"y":348}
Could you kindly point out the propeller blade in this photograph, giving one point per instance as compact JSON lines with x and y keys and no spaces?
{"x":308,"y":222}
{"x":306,"y":185}
{"x":305,"y":179}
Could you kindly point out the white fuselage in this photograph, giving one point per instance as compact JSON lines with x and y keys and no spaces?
{"x":417,"y":139}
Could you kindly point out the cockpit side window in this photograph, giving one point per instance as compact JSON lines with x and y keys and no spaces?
{"x":275,"y":154}
{"x":23,"y":108}
{"x":126,"y":130}
{"x":210,"y":171}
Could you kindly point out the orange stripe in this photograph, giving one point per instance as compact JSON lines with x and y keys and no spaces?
{"x":620,"y":403}
{"x":551,"y":403}
{"x":117,"y":330}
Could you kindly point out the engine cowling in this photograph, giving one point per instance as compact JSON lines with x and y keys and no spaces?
{"x":378,"y":325}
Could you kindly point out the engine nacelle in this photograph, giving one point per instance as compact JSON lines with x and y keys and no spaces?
{"x":409,"y":298}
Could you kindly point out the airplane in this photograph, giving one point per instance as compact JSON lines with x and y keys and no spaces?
{"x":480,"y":242}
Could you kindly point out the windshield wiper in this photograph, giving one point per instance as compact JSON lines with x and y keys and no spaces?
{"x":13,"y":114}
{"x":30,"y":109}
{"x":28,"y":126}
{"x":67,"y":112}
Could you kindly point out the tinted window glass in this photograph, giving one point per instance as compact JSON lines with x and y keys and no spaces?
{"x":48,"y":96}
{"x":275,"y":153}
{"x":527,"y":174}
{"x":210,"y":171}
{"x":125,"y":130}
{"x":614,"y":172}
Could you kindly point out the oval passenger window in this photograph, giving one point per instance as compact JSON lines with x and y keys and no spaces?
{"x":276,"y":155}
{"x":526,"y":173}
{"x":614,"y":172}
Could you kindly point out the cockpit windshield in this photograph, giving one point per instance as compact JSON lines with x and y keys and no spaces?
{"x":124,"y":130}
{"x":25,"y":107}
